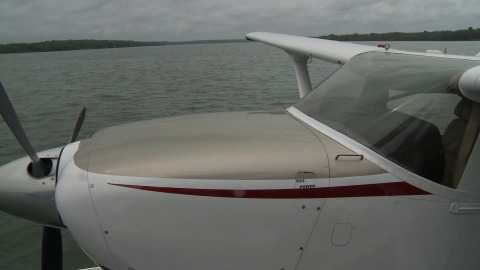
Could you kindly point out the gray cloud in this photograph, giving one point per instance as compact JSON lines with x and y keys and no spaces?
{"x":36,"y":20}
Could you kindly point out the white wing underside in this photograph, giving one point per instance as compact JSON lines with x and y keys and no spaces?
{"x":328,"y":50}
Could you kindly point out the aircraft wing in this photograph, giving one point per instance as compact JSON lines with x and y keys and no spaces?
{"x":328,"y":50}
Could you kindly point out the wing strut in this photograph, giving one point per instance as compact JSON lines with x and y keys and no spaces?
{"x":301,"y":70}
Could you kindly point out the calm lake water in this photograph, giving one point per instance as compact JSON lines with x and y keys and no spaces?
{"x":117,"y":86}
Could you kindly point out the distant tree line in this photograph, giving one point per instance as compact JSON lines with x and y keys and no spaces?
{"x":86,"y":44}
{"x":468,"y":34}
{"x":68,"y":45}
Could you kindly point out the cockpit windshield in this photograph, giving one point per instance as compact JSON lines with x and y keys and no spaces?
{"x":401,"y":106}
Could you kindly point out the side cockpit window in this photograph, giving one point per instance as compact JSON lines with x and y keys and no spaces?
{"x":458,"y":140}
{"x":441,"y":143}
{"x":406,"y":108}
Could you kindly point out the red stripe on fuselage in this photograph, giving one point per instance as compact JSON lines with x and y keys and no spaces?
{"x":368,"y":190}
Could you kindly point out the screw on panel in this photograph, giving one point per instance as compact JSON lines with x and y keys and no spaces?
{"x":303,"y":206}
{"x":319,"y":208}
{"x":91,"y":185}
{"x":301,"y":248}
{"x":106,"y":232}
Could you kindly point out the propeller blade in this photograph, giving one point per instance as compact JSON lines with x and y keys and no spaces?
{"x":39,"y":167}
{"x":78,"y":125}
{"x":52,"y":249}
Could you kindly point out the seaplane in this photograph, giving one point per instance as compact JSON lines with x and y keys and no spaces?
{"x":375,"y":168}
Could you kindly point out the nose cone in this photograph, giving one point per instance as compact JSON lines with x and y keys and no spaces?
{"x":27,"y":197}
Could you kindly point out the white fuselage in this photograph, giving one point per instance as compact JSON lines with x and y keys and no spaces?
{"x":373,"y":220}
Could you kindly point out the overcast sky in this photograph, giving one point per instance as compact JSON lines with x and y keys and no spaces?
{"x":176,"y":20}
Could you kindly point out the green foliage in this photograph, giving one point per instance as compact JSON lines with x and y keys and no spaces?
{"x":468,"y":34}
{"x":68,"y":45}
